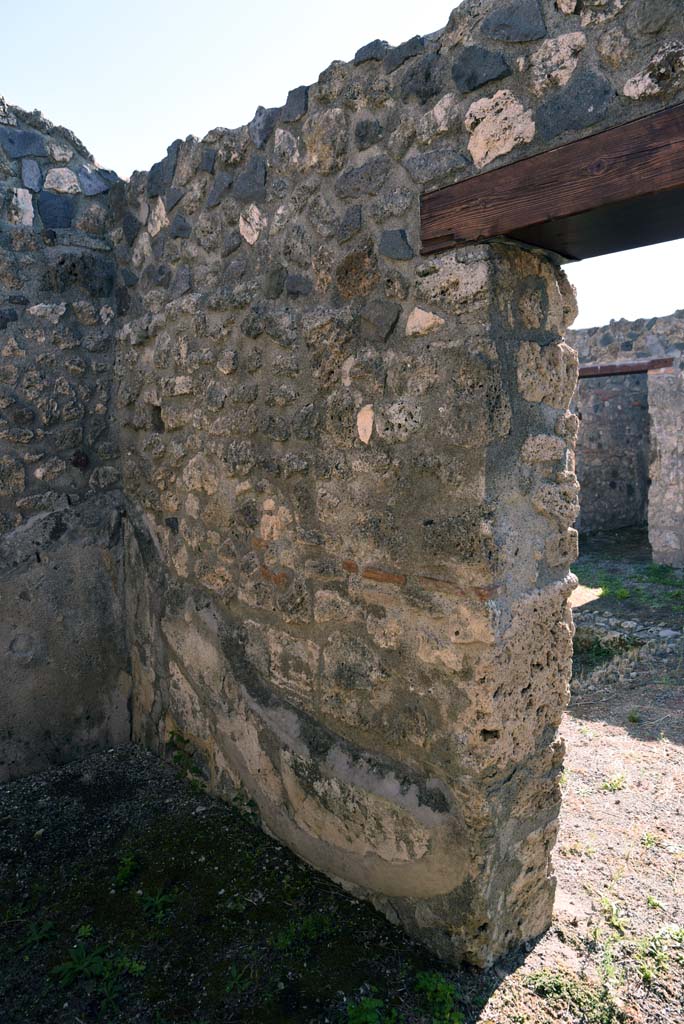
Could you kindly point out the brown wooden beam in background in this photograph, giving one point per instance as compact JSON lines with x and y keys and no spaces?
{"x":621,"y":369}
{"x":620,"y":189}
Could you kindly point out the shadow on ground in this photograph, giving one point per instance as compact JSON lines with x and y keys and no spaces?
{"x":629,"y":644}
{"x":128,"y":895}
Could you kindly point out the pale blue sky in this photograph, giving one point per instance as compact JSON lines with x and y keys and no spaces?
{"x":132,"y":75}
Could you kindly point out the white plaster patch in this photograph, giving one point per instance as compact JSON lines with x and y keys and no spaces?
{"x":21,"y":207}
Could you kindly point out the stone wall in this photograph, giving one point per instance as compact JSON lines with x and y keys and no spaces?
{"x":64,"y":683}
{"x":613,"y":452}
{"x":666,"y":498}
{"x":349,"y":472}
{"x":630,"y":453}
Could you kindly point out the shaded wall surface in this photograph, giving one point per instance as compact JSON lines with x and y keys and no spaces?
{"x":630,"y":451}
{"x":349,"y":472}
{"x":613,"y":452}
{"x":64,"y":687}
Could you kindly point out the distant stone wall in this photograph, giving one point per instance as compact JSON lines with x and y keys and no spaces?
{"x":630,"y":451}
{"x":613,"y":452}
{"x":623,"y":341}
{"x":349,"y":471}
{"x":64,"y":687}
{"x":666,"y":499}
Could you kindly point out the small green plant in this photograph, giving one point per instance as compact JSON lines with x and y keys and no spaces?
{"x":127,"y":965}
{"x":649,"y":840}
{"x":84,"y":931}
{"x":612,"y":913}
{"x":666,"y":575}
{"x":607,"y":966}
{"x":182,"y":756}
{"x":238,"y":981}
{"x":654,"y":903}
{"x":592,"y":649}
{"x":81,"y":963}
{"x":245,"y":806}
{"x":370,"y":1010}
{"x":126,"y":868}
{"x":158,"y":904}
{"x":440,"y":997}
{"x":38,"y":933}
{"x":652,"y":956}
{"x":109,"y":990}
{"x":634,"y":717}
{"x":565,"y":992}
{"x":614,"y":784}
{"x":306,"y":931}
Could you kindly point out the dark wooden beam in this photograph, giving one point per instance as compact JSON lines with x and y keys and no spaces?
{"x":619,"y":189}
{"x":622,"y":369}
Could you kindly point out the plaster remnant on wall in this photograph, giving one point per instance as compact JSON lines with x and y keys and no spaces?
{"x":21,"y":207}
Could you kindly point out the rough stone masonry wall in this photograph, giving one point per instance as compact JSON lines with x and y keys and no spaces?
{"x":631,"y":433}
{"x":64,"y":688}
{"x":348,"y":471}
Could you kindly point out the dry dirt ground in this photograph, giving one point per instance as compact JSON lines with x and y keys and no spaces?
{"x":129,"y":895}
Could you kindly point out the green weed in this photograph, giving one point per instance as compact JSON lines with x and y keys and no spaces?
{"x":440,"y":997}
{"x":158,"y":904}
{"x":126,"y":868}
{"x":612,"y":913}
{"x":82,"y":963}
{"x":614,"y":784}
{"x":567,"y":993}
{"x":38,"y":933}
{"x":368,"y":1010}
{"x":238,"y":981}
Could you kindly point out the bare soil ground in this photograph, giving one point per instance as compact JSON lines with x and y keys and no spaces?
{"x":129,"y":895}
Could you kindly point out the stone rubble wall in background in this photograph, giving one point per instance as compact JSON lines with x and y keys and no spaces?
{"x":666,"y":497}
{"x":65,"y":687}
{"x":630,"y":453}
{"x":613,"y":452}
{"x":349,"y":471}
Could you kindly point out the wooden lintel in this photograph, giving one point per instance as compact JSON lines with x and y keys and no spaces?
{"x":619,"y":189}
{"x":622,"y":369}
